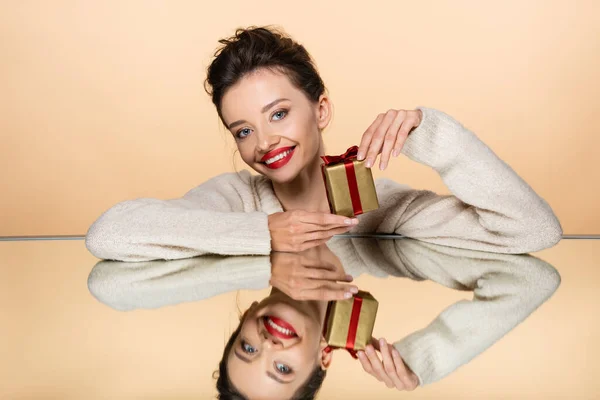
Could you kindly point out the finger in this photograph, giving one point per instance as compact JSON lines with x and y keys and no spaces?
{"x":388,"y":364}
{"x":378,"y":138}
{"x":319,"y":235}
{"x":366,"y":363}
{"x":408,"y":381}
{"x":378,"y":366}
{"x":310,"y":244}
{"x":403,"y":132}
{"x":325,"y":274}
{"x":367,"y":136}
{"x":390,"y":140}
{"x":329,"y":292}
{"x":325,"y":220}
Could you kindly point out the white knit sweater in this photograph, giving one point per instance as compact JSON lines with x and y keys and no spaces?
{"x":506,"y":289}
{"x":491,"y":208}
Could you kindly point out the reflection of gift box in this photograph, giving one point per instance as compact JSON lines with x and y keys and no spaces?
{"x":349,"y":323}
{"x":349,"y":184}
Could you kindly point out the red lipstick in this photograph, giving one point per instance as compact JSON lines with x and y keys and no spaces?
{"x":279,"y":328}
{"x":283,"y":154}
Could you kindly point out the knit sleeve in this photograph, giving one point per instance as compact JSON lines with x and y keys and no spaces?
{"x":491,"y":208}
{"x":217,"y":217}
{"x":152,"y":284}
{"x":506,"y":290}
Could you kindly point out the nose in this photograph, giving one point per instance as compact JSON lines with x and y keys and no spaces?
{"x":266,"y":141}
{"x":270,"y":340}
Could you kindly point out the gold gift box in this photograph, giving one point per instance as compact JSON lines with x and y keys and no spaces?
{"x":338,"y":191}
{"x":339,"y":314}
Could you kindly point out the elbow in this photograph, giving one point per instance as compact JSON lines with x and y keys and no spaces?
{"x":540,"y":234}
{"x":105,"y":238}
{"x":548,"y":232}
{"x":96,"y":241}
{"x":103,"y":242}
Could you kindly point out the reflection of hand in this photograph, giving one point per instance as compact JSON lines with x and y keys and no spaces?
{"x":391,"y":369}
{"x":299,"y":230}
{"x":311,"y":274}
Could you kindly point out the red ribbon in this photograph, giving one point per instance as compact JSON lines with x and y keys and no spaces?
{"x":348,"y":159}
{"x":352,"y":328}
{"x":349,"y":155}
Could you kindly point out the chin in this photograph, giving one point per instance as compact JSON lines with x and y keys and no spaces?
{"x":284,"y":175}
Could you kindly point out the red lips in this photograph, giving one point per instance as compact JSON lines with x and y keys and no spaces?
{"x":282,"y":324}
{"x":275,"y":152}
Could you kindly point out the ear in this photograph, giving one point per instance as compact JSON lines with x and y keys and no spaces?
{"x":324,"y":111}
{"x":326,"y":356}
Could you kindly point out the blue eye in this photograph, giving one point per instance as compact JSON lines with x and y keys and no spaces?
{"x":240,"y":135}
{"x":280,"y":112}
{"x":247,"y":348}
{"x":283,"y":369}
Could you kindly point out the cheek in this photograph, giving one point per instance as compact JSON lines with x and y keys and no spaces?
{"x":246,"y":151}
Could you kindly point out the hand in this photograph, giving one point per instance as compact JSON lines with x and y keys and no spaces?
{"x":388,"y":132}
{"x":300,"y":230}
{"x":312,"y":274}
{"x":392,"y":370}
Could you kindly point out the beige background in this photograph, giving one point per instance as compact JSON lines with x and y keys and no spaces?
{"x":58,"y":342}
{"x":102,"y":101}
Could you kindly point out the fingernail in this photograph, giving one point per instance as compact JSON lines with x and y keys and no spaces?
{"x":354,"y":221}
{"x":396,"y":152}
{"x":369,"y":163}
{"x":360,"y":156}
{"x":347,"y":295}
{"x":349,"y":278}
{"x":382,"y":166}
{"x":382,"y":342}
{"x":354,"y":290}
{"x":348,"y":221}
{"x":369,"y":348}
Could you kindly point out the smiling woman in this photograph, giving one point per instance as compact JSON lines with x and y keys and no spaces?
{"x":268,"y":93}
{"x":268,"y":359}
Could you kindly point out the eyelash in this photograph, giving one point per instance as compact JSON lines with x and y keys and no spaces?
{"x":285,"y":111}
{"x":243,"y":345}
{"x":289,"y":370}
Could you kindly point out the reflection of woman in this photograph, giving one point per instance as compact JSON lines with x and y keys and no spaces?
{"x":506,"y":288}
{"x":269,"y":95}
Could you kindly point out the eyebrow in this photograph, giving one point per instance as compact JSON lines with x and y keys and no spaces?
{"x":269,"y":374}
{"x":263,"y":110}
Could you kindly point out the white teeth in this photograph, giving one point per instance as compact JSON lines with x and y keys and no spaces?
{"x":278,"y":157}
{"x":279,"y":328}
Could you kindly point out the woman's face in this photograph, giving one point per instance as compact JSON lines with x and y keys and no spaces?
{"x":277,"y":129}
{"x":279,"y":346}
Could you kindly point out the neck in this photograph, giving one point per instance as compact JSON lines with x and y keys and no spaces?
{"x":306,"y":192}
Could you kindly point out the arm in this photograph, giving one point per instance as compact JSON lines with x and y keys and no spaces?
{"x":491,"y":208}
{"x":151,"y":284}
{"x":216,"y":217}
{"x":506,"y":290}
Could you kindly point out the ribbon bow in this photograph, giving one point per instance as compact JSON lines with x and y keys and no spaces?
{"x":349,"y":155}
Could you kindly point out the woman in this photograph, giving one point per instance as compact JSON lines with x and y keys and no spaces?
{"x":506,"y":290}
{"x":269,"y":95}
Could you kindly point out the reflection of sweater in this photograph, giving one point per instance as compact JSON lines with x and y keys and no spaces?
{"x":506,"y":289}
{"x":491,"y":208}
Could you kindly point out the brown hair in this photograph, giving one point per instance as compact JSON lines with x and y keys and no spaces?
{"x":253,"y":48}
